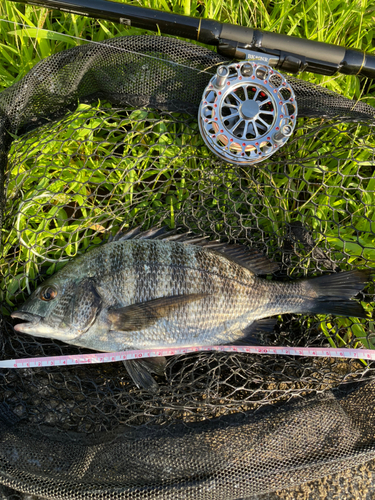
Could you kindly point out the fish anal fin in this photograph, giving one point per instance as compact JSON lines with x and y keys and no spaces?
{"x":140,"y":371}
{"x":257,"y":332}
{"x":144,"y":314}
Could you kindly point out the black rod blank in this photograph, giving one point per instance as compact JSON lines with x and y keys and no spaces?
{"x":295,"y":54}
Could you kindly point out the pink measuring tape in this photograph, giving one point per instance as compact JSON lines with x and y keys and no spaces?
{"x":110,"y":357}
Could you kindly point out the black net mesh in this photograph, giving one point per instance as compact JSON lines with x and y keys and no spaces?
{"x":105,"y":136}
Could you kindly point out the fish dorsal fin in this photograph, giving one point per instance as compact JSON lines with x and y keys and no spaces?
{"x":155,"y":233}
{"x":244,"y":256}
{"x":144,"y":314}
{"x":250,"y":258}
{"x":247,"y":257}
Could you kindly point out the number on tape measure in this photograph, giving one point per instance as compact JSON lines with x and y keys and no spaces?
{"x":118,"y":356}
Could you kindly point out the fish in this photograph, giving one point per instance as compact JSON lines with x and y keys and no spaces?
{"x":158,"y":289}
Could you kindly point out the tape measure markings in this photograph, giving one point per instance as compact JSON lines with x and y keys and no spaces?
{"x":80,"y":359}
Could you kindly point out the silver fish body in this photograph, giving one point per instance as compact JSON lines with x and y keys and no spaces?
{"x":145,"y":293}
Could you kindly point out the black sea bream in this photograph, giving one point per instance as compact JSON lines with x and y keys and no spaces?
{"x":151,"y":293}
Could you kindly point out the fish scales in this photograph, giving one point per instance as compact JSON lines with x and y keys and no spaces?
{"x":150,"y":269}
{"x":144,"y":293}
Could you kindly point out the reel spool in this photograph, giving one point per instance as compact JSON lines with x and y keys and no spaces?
{"x":248,"y":111}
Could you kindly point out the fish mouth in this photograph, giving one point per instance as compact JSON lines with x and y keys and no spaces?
{"x":32,"y":321}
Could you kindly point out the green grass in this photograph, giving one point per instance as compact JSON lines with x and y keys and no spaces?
{"x":64,"y":200}
{"x":347,"y":23}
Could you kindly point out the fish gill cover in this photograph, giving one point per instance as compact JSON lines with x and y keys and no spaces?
{"x":105,"y":136}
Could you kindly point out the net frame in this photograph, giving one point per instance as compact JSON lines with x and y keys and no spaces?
{"x":233,"y":369}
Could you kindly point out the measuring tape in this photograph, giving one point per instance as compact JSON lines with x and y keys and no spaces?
{"x":110,"y":357}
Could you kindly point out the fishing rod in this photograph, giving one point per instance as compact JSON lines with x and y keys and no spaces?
{"x":290,"y":54}
{"x":248,"y":109}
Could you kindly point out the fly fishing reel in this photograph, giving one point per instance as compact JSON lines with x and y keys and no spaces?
{"x":248,"y":111}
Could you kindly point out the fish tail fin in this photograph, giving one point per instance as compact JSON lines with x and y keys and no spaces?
{"x":333,"y":293}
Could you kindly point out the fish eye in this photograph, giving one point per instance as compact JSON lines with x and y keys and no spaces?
{"x":48,"y":293}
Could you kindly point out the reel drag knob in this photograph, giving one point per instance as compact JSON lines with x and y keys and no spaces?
{"x":248,"y":111}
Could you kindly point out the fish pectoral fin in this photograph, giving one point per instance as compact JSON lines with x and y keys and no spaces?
{"x":140,"y":371}
{"x":139,"y":316}
{"x":257,"y":332}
